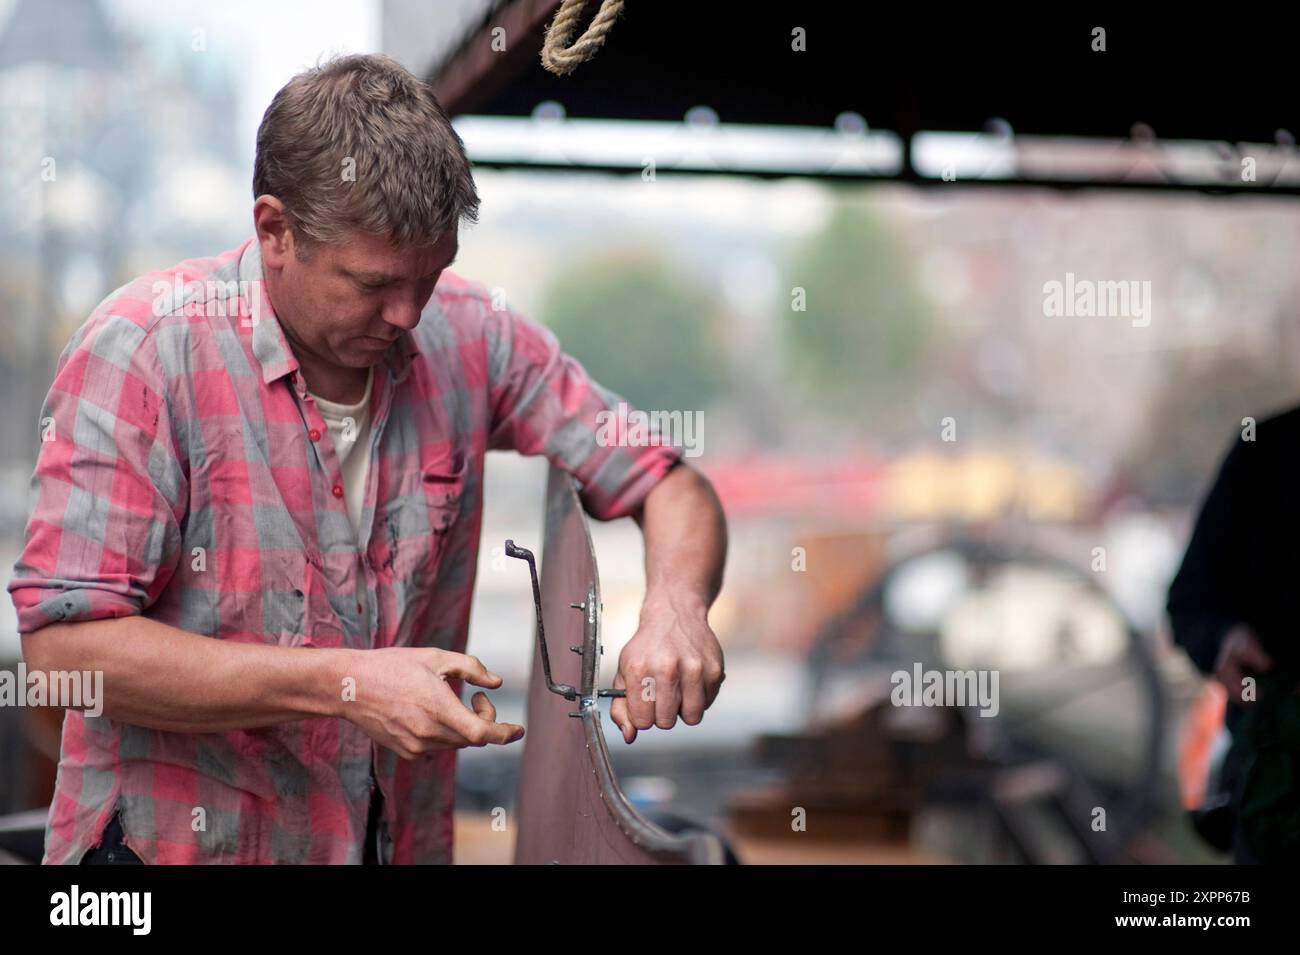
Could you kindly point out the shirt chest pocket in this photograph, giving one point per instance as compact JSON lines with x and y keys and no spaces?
{"x":414,"y":524}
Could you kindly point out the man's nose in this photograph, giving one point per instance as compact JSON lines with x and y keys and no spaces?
{"x":404,"y":313}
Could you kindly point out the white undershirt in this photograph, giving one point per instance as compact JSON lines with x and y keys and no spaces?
{"x":349,"y":427}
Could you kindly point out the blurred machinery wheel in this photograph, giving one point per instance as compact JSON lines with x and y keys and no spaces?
{"x":1080,"y":708}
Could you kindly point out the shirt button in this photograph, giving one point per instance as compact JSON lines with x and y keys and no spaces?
{"x":314,"y":434}
{"x":338,"y":490}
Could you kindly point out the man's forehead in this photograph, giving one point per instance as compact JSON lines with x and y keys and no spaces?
{"x":373,"y":255}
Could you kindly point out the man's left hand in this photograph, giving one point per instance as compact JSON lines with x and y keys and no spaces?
{"x":672,"y":666}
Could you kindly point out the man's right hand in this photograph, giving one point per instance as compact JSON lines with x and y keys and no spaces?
{"x":1240,"y":656}
{"x":404,"y":702}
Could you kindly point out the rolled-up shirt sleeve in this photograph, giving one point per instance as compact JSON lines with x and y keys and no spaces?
{"x":108,"y":493}
{"x":544,"y":403}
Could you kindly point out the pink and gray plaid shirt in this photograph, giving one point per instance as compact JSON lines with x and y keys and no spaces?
{"x":186,"y":475}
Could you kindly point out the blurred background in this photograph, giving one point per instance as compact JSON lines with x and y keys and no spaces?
{"x":920,"y":463}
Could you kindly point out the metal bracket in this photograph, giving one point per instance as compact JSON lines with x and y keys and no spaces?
{"x":590,"y":650}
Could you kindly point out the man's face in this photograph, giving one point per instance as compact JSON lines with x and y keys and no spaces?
{"x":346,"y":303}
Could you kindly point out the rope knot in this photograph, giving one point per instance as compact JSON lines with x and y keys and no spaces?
{"x":558,"y":55}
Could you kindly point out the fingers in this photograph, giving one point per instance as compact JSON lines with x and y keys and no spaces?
{"x":1254,"y":657}
{"x":714,"y":676}
{"x":642,"y":693}
{"x":618,"y":711}
{"x":483,"y":707}
{"x":479,"y":731}
{"x":473,"y":731}
{"x":693,"y":695}
{"x":453,"y":724}
{"x":660,"y":689}
{"x":668,"y":696}
{"x":428,"y":743}
{"x":685,"y":686}
{"x":1241,"y":656}
{"x":701,"y":680}
{"x":468,"y":668}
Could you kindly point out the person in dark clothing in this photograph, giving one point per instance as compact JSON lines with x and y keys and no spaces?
{"x":1234,"y":606}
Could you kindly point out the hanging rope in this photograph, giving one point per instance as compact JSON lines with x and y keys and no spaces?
{"x":561,"y":58}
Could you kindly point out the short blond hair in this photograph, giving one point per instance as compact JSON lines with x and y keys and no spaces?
{"x":359,"y":143}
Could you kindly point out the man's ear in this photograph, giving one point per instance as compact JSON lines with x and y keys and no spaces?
{"x":274,"y":233}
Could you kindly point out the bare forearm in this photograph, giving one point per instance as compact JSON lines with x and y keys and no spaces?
{"x":163,"y":678}
{"x":674,"y":653}
{"x":685,"y":533}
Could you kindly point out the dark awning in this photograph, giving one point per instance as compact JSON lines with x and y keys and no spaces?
{"x":1160,"y":79}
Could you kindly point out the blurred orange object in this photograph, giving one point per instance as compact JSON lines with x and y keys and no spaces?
{"x":1204,"y":722}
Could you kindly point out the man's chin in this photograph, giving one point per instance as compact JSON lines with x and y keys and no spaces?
{"x":363,"y":353}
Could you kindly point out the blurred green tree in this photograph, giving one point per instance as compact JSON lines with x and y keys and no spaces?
{"x":857,"y":350}
{"x":641,"y":330}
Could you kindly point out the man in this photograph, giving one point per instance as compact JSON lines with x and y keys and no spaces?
{"x":1234,"y":605}
{"x":281,"y":448}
